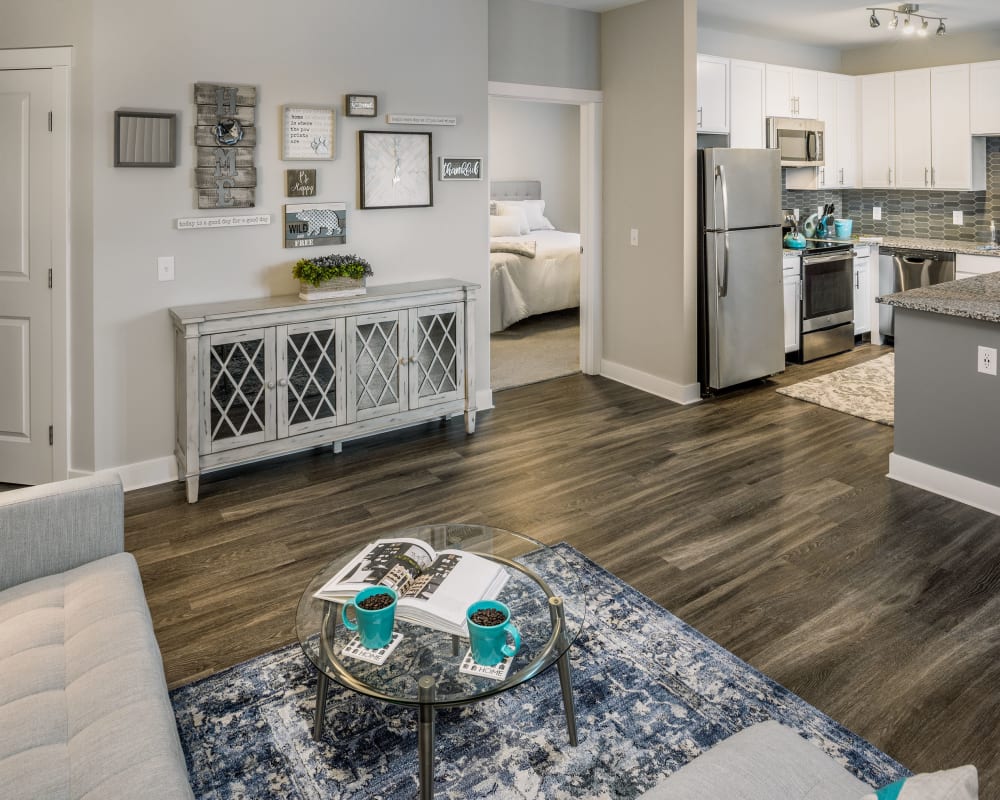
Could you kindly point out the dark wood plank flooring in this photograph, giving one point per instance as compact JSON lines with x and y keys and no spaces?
{"x":765,"y":522}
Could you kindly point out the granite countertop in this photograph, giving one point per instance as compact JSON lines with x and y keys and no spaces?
{"x":935,"y":245}
{"x":972,"y":298}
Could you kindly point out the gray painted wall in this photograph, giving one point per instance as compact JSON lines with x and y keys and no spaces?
{"x":728,"y":44}
{"x":648,"y":76}
{"x":900,"y":53}
{"x":539,"y":141}
{"x":945,"y":409}
{"x":544,"y":45}
{"x":58,"y":23}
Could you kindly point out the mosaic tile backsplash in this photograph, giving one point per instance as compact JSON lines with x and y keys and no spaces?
{"x":921,"y":214}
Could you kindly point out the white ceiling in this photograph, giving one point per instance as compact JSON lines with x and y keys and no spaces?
{"x":832,"y":23}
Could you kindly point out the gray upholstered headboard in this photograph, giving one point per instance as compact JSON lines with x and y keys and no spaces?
{"x":515,"y":190}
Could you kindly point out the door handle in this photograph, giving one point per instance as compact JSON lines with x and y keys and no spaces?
{"x":720,"y":176}
{"x":699,"y":116}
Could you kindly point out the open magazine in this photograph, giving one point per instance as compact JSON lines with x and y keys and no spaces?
{"x":434,"y":588}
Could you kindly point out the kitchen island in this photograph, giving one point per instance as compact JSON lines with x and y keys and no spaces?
{"x":947,"y":436}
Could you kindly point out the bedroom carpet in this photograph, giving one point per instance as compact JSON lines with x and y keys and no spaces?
{"x":865,"y":390}
{"x":536,"y":349}
{"x":651,"y":694}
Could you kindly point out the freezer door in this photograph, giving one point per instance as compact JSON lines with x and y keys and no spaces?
{"x":745,"y":306}
{"x":742,"y":188}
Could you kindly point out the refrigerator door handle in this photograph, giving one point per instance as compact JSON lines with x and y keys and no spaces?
{"x":724,"y":283}
{"x":720,"y":177}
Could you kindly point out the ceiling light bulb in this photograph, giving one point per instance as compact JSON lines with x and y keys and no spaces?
{"x":907,"y":27}
{"x":922,"y":30}
{"x":874,"y":20}
{"x":941,"y":31}
{"x":893,"y":22}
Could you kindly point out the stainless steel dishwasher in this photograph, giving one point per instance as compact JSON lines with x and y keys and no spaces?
{"x":901,"y":268}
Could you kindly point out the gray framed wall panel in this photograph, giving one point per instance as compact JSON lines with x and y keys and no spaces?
{"x":945,"y":410}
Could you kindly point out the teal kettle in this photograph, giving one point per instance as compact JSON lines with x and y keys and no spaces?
{"x":794,"y":240}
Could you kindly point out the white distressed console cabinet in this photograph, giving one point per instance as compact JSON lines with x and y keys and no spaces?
{"x":258,"y":378}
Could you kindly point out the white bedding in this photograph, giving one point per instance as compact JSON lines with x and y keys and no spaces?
{"x":521,"y":287}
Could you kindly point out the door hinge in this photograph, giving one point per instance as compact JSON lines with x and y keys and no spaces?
{"x":50,"y":278}
{"x":50,"y":122}
{"x":51,"y":436}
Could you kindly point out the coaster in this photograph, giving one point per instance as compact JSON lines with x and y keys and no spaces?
{"x":353,"y":649}
{"x":497,"y":672}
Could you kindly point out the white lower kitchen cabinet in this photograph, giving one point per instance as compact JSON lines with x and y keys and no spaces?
{"x":968,"y":266}
{"x":791,"y":273}
{"x":259,"y":378}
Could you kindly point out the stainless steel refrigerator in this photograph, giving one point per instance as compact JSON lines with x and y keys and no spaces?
{"x":741,"y":301}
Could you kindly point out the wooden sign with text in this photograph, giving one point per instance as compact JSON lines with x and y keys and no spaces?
{"x":225,"y":135}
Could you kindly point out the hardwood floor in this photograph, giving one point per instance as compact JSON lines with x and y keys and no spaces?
{"x":763,"y":521}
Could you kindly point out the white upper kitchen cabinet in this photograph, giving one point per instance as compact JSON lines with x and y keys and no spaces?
{"x":790,"y":92}
{"x":877,"y":136}
{"x":827,"y":113}
{"x":746,"y":107}
{"x":984,"y":80}
{"x":847,"y":132}
{"x":913,"y":130}
{"x":713,"y":94}
{"x":952,"y":149}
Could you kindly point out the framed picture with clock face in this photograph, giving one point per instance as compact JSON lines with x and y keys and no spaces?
{"x":395,"y":169}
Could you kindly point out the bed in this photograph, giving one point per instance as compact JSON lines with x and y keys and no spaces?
{"x":535,"y":270}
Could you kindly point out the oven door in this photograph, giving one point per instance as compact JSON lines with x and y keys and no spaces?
{"x":827,"y":290}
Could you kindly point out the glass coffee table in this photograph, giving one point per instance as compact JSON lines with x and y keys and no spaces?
{"x":547,"y":604}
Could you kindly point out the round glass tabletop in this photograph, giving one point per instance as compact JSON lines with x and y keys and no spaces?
{"x":543,"y":592}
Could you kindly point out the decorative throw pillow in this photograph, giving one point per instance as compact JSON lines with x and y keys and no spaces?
{"x":517,"y":212}
{"x":534,"y":211}
{"x":961,"y":783}
{"x":504,"y":226}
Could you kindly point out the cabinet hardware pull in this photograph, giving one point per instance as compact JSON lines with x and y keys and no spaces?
{"x":926,"y":173}
{"x":699,"y":116}
{"x":890,"y":176}
{"x":841,"y":176}
{"x":270,"y":384}
{"x":282,"y":382}
{"x":933,"y":178}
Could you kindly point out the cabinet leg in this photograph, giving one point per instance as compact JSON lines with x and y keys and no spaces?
{"x":192,"y":489}
{"x":338,"y":447}
{"x":470,"y":422}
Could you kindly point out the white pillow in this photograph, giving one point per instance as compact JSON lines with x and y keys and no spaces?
{"x":504,"y":226}
{"x":516,"y":212}
{"x":534,"y":210}
{"x":961,"y":783}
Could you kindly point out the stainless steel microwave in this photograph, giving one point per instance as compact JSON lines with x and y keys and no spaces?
{"x":800,"y":141}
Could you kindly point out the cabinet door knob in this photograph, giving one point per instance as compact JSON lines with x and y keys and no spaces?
{"x":282,"y":382}
{"x":270,"y":384}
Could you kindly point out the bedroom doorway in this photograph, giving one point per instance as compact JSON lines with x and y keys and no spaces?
{"x":544,"y":145}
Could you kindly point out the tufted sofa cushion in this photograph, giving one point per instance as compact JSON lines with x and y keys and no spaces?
{"x":84,"y":711}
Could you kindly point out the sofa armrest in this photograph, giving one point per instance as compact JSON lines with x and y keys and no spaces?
{"x":58,"y":526}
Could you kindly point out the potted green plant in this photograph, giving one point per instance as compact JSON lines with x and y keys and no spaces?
{"x":331,"y":276}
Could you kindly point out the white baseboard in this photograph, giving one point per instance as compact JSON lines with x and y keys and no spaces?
{"x":484,"y":399}
{"x":661,"y":387}
{"x":966,"y":490}
{"x":140,"y":475}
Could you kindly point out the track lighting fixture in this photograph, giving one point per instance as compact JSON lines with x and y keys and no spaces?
{"x":907,"y":10}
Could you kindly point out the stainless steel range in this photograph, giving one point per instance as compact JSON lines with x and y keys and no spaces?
{"x":827,"y":305}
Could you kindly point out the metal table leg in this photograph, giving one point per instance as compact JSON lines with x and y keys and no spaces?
{"x":322,"y":686}
{"x":327,"y":634}
{"x":425,"y":737}
{"x":565,"y":672}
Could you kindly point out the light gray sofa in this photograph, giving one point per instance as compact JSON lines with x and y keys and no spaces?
{"x":766,"y":761}
{"x":84,"y":711}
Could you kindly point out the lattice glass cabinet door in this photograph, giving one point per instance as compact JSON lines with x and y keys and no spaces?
{"x":310,"y":377}
{"x":377,"y":349}
{"x":437,"y":354}
{"x":237,"y":385}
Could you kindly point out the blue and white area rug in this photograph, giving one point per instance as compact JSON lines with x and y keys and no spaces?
{"x":651,"y":694}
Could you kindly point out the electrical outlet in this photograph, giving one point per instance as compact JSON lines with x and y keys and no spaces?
{"x":634,"y":237}
{"x":795,"y":213}
{"x":165,"y":268}
{"x":876,"y":212}
{"x":956,"y":217}
{"x":987,"y":359}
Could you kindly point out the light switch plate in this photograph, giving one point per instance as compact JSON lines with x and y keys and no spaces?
{"x":876,"y":212}
{"x":165,"y":268}
{"x":634,"y":237}
{"x":956,"y":217}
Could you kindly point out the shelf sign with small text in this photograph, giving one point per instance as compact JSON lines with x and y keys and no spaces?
{"x":460,"y":169}
{"x":188,"y":223}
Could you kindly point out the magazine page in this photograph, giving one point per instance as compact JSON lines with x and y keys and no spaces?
{"x":395,"y":563}
{"x":455,"y":580}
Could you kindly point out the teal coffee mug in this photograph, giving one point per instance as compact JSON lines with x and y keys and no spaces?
{"x":489,"y":630}
{"x":374,"y":625}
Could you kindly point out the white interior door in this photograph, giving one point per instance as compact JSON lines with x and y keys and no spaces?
{"x":25,"y":261}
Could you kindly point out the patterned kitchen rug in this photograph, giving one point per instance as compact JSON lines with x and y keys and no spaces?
{"x":651,"y":693}
{"x":864,"y":390}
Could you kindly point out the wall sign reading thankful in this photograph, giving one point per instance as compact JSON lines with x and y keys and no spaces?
{"x":460,"y":169}
{"x":225,"y":135}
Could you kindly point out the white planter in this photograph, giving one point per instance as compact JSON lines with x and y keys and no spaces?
{"x":335,"y":287}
